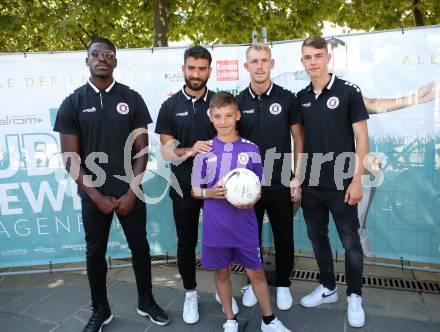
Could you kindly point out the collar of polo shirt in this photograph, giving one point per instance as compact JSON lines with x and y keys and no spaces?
{"x":187,"y":96}
{"x":328,"y":86}
{"x":97,"y":90}
{"x":267,"y":92}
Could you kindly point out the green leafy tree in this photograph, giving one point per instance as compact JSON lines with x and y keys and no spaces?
{"x":44,"y":25}
{"x":390,"y":14}
{"x":38,"y":25}
{"x":48,"y":25}
{"x":229,"y":21}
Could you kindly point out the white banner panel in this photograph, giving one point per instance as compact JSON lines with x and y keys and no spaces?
{"x":398,"y":73}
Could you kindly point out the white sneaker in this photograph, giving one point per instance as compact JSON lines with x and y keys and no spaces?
{"x":355,"y":312}
{"x":319,"y":296}
{"x":234,"y":304}
{"x":274,"y":326}
{"x":248,"y":299}
{"x":191,"y":308}
{"x":284,"y":298}
{"x":230,"y":326}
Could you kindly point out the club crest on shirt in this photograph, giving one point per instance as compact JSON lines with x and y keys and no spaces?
{"x":333,"y":102}
{"x":122,"y":108}
{"x":243,"y":158}
{"x":275,"y":108}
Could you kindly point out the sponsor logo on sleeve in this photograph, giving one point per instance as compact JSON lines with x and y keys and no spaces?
{"x":90,"y":110}
{"x":251,"y":111}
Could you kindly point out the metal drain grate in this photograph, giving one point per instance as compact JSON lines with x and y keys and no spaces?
{"x":422,"y":286}
{"x":377,"y":282}
{"x":162,"y":258}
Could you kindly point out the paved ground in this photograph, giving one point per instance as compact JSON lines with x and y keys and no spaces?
{"x":60,"y":302}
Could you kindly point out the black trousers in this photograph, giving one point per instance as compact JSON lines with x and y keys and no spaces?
{"x":97,"y":229}
{"x":316,"y":204}
{"x":186,"y":213}
{"x":280,"y":212}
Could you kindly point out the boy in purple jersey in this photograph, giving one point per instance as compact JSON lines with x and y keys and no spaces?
{"x":230,"y":233}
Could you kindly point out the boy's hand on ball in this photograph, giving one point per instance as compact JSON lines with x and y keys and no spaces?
{"x":218,"y":191}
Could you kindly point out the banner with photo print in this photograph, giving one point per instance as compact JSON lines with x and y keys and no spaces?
{"x":398,"y":73}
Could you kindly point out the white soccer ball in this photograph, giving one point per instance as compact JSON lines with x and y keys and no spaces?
{"x":243,"y":186}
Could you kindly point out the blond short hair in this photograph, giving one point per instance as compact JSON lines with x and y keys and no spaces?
{"x":259,"y":47}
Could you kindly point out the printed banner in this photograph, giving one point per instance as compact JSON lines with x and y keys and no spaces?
{"x":398,"y":73}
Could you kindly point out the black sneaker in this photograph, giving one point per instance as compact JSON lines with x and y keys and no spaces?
{"x":149,"y":308}
{"x":101,"y":316}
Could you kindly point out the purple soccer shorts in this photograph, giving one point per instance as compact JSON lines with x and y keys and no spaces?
{"x":214,"y":258}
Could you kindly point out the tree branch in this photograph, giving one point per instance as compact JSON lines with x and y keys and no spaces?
{"x":417,"y":14}
{"x":160,"y":23}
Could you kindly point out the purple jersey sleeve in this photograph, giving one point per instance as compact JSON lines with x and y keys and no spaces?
{"x":203,"y":173}
{"x":257,"y":165}
{"x":198,"y":170}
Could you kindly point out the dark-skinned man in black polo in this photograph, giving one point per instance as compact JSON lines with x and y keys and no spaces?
{"x":94,"y":123}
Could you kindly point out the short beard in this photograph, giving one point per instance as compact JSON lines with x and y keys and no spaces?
{"x":195,"y":87}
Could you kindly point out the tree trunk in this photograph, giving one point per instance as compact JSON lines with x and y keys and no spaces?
{"x":417,"y":14}
{"x":160,"y":22}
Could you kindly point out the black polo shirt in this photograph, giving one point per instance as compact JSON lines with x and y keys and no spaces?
{"x":266,"y":121}
{"x":328,"y":119}
{"x":187,"y":120}
{"x":103,"y":120}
